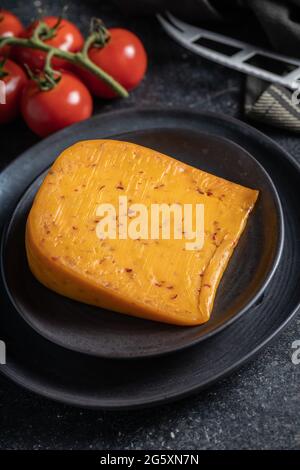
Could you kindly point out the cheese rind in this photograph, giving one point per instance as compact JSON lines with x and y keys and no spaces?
{"x":155,"y":279}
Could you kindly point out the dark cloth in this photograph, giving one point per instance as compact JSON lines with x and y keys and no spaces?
{"x":274,"y":24}
{"x":271,"y":104}
{"x":278,"y":21}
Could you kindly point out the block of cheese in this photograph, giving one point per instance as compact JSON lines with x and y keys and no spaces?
{"x":157,"y":279}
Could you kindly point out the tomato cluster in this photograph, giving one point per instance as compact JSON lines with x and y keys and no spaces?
{"x":69,"y":100}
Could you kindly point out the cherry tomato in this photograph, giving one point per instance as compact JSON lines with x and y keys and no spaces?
{"x":123,"y":57}
{"x":46,"y":112}
{"x":15,"y":80}
{"x":10,"y":25}
{"x":67,"y":37}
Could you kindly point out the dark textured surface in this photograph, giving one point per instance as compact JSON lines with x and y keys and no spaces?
{"x":255,"y":408}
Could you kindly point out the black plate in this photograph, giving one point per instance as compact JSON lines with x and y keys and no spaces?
{"x":96,"y":331}
{"x":79,"y":379}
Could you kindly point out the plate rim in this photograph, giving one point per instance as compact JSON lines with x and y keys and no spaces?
{"x":171,"y":350}
{"x":124,"y":405}
{"x":65,"y":398}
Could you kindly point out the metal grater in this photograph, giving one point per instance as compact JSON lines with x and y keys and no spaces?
{"x":188,"y":35}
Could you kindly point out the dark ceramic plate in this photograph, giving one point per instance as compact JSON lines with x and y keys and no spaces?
{"x":79,"y":379}
{"x":101,"y":333}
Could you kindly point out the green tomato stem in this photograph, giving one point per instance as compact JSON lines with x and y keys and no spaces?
{"x":78,"y":58}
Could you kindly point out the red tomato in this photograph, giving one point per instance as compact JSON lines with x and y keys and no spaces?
{"x":10,"y":25}
{"x":124,"y":58}
{"x":67,"y":37}
{"x":15,"y":80}
{"x":46,"y":112}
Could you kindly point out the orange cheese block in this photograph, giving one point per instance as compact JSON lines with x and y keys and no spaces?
{"x":144,"y":276}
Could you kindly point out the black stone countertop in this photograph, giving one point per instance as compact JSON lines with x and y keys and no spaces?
{"x":257,"y":407}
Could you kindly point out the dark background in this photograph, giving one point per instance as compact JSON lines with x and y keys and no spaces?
{"x":258,"y":407}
